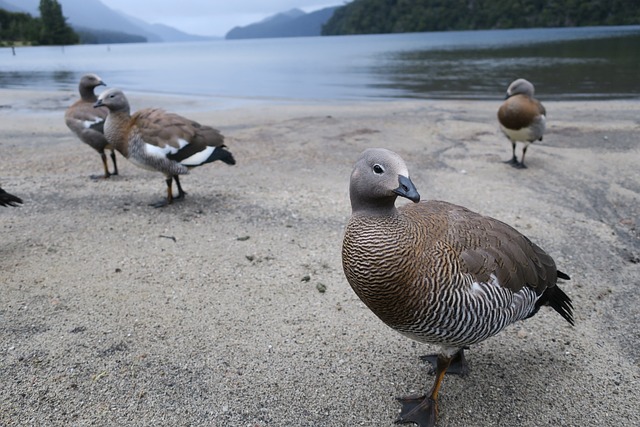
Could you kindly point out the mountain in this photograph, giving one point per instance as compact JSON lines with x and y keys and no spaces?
{"x":384,"y":16}
{"x":294,"y":23}
{"x":164,"y":32}
{"x":88,"y":16}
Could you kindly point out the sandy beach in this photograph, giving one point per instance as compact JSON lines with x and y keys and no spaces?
{"x":231,"y":309}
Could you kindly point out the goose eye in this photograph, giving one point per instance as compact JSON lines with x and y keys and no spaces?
{"x":378,"y":169}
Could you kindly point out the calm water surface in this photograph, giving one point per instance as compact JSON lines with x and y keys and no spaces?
{"x":573,"y":63}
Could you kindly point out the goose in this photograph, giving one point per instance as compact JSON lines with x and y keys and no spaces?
{"x":7,"y":199}
{"x":522,"y":118}
{"x":437,"y":272}
{"x":157,"y":140}
{"x":87,"y":123}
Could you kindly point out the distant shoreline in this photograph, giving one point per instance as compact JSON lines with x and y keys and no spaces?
{"x":28,"y":101}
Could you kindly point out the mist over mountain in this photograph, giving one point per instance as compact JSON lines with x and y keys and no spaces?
{"x":11,"y":7}
{"x":87,"y":16}
{"x":293,"y":23}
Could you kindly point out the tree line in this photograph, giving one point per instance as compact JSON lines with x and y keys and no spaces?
{"x":50,"y":29}
{"x":400,"y":16}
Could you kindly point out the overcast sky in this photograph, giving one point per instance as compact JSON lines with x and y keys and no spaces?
{"x":212,"y":17}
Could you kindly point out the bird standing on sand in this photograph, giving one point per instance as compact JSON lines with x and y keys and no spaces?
{"x":157,"y":140}
{"x":88,"y":122}
{"x":437,"y":272}
{"x":7,"y":199}
{"x":522,"y":118}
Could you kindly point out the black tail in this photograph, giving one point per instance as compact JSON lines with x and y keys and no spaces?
{"x":7,"y":199}
{"x":221,"y":154}
{"x":555,"y":298}
{"x":560,"y":302}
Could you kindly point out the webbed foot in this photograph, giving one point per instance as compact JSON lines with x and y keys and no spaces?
{"x":420,"y":410}
{"x":99,"y":177}
{"x":160,"y":204}
{"x":513,"y":161}
{"x":519,"y":165}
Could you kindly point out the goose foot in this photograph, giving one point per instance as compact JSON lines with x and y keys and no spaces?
{"x":100,"y":177}
{"x":160,"y":204}
{"x":513,"y":161}
{"x":519,"y":165}
{"x":420,"y":410}
{"x":458,"y":366}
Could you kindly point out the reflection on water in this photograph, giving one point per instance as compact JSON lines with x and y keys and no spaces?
{"x":567,"y":63}
{"x":58,"y":79}
{"x":591,"y":68}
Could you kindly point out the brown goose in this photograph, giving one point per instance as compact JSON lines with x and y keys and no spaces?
{"x":7,"y":199}
{"x":437,"y":272}
{"x":522,"y":118}
{"x":157,"y":140}
{"x":88,"y":122}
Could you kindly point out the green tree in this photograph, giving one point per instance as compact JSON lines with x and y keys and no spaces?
{"x":54,"y":29}
{"x":399,"y":16}
{"x":17,"y":27}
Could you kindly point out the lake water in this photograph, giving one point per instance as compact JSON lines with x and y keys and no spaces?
{"x":570,"y":63}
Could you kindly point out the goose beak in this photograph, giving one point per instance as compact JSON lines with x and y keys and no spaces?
{"x":98,"y":103}
{"x":407,"y":189}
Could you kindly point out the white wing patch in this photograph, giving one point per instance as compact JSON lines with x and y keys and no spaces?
{"x":88,"y":123}
{"x":163,"y":152}
{"x":199,"y":157}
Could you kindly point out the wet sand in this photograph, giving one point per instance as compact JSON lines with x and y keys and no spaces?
{"x":231,"y":309}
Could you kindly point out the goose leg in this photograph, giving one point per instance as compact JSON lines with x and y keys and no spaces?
{"x":181,"y":193}
{"x":169,"y":198}
{"x":106,"y":168}
{"x":520,"y":164}
{"x":458,"y":366}
{"x":423,"y":410}
{"x":115,"y":166}
{"x":514,"y":160}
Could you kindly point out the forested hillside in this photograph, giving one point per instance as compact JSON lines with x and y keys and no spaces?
{"x":22,"y":28}
{"x":399,"y":16}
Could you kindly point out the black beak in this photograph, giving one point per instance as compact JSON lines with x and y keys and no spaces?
{"x":98,"y":103}
{"x":407,"y":189}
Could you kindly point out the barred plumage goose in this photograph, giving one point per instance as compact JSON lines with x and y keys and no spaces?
{"x":522,"y":118}
{"x":437,"y":272}
{"x":157,"y":140}
{"x":88,"y":122}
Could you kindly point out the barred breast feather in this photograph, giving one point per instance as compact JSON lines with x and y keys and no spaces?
{"x":442,"y":274}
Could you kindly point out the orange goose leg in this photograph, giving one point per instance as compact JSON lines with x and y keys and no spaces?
{"x":169,"y":199}
{"x":458,"y":366}
{"x":423,"y":410}
{"x":106,"y":168}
